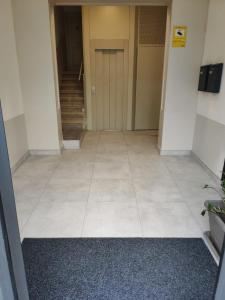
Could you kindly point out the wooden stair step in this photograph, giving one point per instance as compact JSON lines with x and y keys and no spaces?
{"x":70,"y":81}
{"x":71,"y":109}
{"x":72,"y":106}
{"x":78,"y":123}
{"x":71,"y":89}
{"x":72,"y":97}
{"x":71,"y":101}
{"x":73,"y":119}
{"x":70,"y":76}
{"x":69,"y":93}
{"x":66,"y":73}
{"x":73,"y":114}
{"x":66,"y":85}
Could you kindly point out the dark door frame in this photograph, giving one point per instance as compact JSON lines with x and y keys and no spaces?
{"x":10,"y":222}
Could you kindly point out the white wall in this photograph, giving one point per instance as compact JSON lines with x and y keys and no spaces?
{"x":211,"y":105}
{"x":10,"y":90}
{"x":33,"y":40}
{"x":209,"y":142}
{"x":179,"y":111}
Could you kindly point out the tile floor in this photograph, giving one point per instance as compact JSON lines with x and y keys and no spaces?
{"x":117,"y":185}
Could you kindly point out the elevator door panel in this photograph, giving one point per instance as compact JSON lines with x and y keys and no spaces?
{"x":109,"y":89}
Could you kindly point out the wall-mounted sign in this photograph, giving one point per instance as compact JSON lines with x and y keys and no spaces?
{"x":179,"y":36}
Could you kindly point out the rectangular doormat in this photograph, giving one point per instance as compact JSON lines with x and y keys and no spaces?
{"x":119,"y":269}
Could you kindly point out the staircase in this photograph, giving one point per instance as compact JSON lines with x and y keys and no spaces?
{"x":72,"y":106}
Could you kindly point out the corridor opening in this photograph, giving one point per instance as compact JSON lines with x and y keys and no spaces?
{"x":69,"y":52}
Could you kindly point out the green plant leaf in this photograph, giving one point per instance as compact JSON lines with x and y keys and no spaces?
{"x":210,"y":206}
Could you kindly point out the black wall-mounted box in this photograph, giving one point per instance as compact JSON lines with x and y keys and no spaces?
{"x":223,"y":174}
{"x":214,"y":78}
{"x":203,"y":78}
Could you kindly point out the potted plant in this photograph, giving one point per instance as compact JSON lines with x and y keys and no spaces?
{"x":216,"y":212}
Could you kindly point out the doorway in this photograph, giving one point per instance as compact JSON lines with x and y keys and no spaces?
{"x":69,"y":50}
{"x":109,"y":89}
{"x":150,"y":45}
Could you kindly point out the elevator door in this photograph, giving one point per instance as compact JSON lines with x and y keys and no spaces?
{"x":109,"y":89}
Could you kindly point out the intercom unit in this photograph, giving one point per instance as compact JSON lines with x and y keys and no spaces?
{"x":210,"y":78}
{"x":214,"y":78}
{"x":203,"y":78}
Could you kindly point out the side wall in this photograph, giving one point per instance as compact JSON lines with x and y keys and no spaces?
{"x":180,"y":98}
{"x":209,"y":141}
{"x":10,"y":90}
{"x":33,"y":40}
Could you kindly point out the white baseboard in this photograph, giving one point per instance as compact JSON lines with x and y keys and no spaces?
{"x":175,"y":152}
{"x":45,"y":152}
{"x":210,"y":172}
{"x":19,"y":162}
{"x":211,"y":247}
{"x":72,"y":144}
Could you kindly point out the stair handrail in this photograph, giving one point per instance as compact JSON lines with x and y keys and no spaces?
{"x":81,"y":68}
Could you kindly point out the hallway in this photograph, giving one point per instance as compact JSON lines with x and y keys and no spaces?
{"x":117,"y":185}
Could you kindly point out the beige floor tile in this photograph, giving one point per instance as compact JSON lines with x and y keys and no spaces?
{"x":156,"y":190}
{"x":112,"y":190}
{"x":112,"y":170}
{"x":56,"y":219}
{"x":74,"y":190}
{"x":172,"y":219}
{"x":111,"y":220}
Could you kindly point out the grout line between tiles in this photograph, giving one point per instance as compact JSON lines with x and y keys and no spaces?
{"x":41,"y":194}
{"x":91,"y":181}
{"x":132,"y":181}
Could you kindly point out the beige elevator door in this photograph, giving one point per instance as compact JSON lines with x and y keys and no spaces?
{"x":109,"y":89}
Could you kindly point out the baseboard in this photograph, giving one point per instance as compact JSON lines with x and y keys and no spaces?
{"x":175,"y":152}
{"x":208,"y":171}
{"x":211,"y":247}
{"x":46,"y":152}
{"x":19,"y":162}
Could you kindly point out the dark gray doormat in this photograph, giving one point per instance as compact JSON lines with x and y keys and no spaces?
{"x":119,"y":269}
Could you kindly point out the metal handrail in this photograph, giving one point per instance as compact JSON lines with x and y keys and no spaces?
{"x":81,"y":68}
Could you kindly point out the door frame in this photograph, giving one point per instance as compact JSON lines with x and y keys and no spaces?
{"x":110,"y":44}
{"x":10,"y":222}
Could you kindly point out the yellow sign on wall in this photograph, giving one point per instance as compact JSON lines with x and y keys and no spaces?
{"x":179,"y":36}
